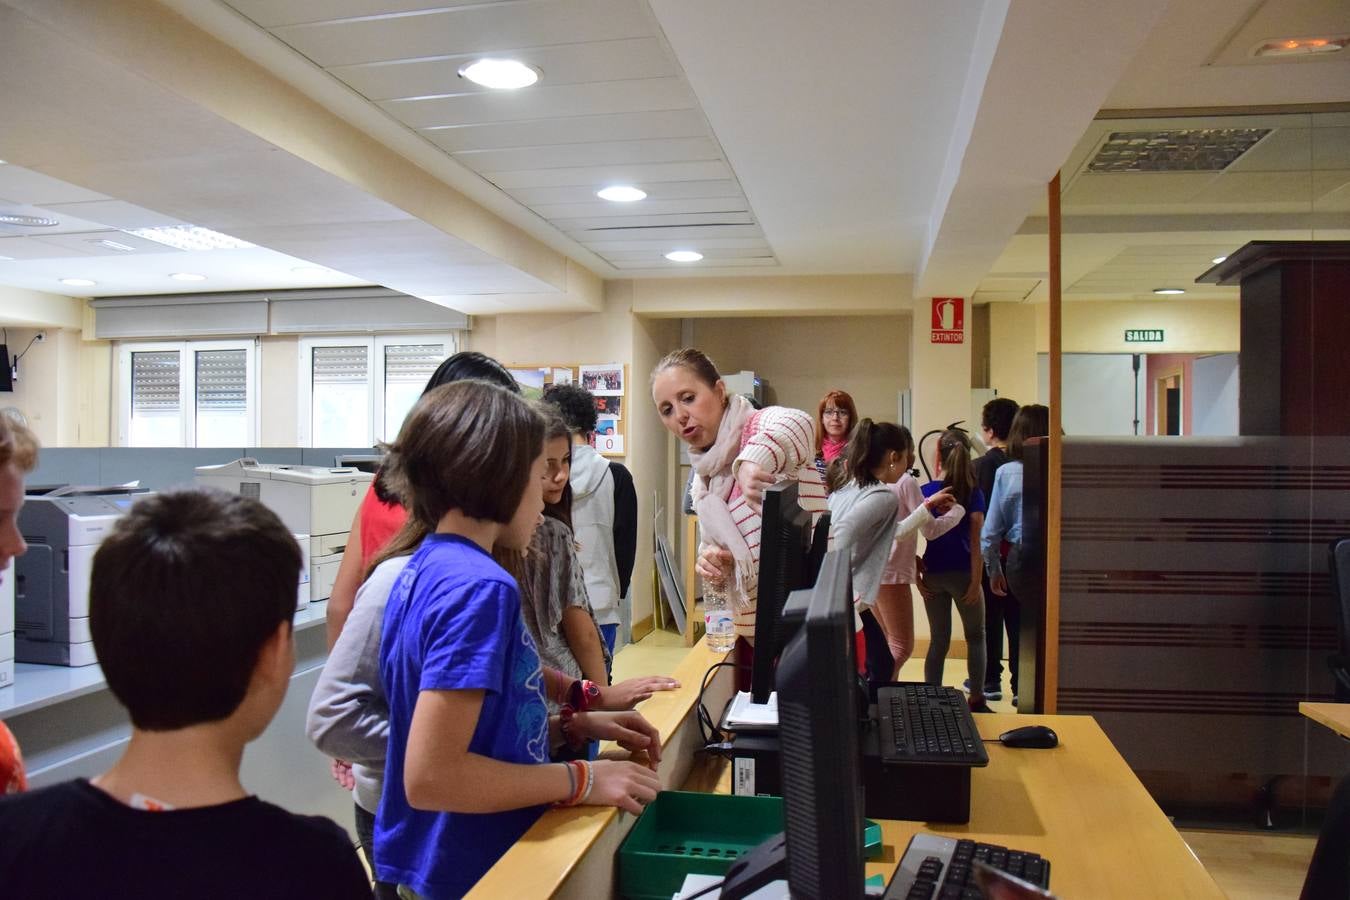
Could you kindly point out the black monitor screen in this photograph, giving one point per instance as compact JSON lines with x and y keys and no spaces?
{"x":785,"y":565}
{"x":818,"y":728}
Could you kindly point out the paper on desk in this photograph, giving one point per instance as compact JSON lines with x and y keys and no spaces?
{"x":745,"y":713}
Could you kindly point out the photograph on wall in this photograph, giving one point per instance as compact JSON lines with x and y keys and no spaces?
{"x":609,"y":406}
{"x":562,"y":376}
{"x":531,"y":381}
{"x":607,"y":425}
{"x":606,"y":380}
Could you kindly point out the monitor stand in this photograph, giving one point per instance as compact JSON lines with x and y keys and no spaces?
{"x":760,"y":867}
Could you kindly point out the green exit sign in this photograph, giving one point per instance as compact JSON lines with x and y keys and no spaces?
{"x":1143,"y":335}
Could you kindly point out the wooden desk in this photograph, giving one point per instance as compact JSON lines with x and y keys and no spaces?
{"x":1335,"y":716}
{"x":1079,"y":805}
{"x":574,"y":852}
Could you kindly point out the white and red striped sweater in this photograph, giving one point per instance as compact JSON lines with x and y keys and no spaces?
{"x":782,"y":441}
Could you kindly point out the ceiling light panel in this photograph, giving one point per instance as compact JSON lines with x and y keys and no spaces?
{"x":612,"y":108}
{"x":1191,"y":150}
{"x":190,"y":237}
{"x":21,"y":220}
{"x":500,"y":74}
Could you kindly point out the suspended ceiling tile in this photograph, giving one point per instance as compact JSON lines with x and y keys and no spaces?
{"x":650,"y":243}
{"x":470,"y":29}
{"x":679,"y":233}
{"x":603,"y":175}
{"x":273,"y":13}
{"x":86,"y":244}
{"x":606,"y":223}
{"x":603,"y":209}
{"x":544,"y":102}
{"x":742,"y":263}
{"x":536,"y":197}
{"x":677,"y":123}
{"x":566,"y":64}
{"x":1133,"y":190}
{"x":572,"y":155}
{"x":115,"y":213}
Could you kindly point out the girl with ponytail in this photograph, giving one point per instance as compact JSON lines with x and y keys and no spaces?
{"x":952,"y":567}
{"x":863,"y":521}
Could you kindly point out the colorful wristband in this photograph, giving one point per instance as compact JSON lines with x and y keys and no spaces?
{"x":566,"y":721}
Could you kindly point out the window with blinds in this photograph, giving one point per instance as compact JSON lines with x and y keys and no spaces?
{"x":341,"y":365}
{"x":222,"y":380}
{"x":411,"y":363}
{"x":156,"y":382}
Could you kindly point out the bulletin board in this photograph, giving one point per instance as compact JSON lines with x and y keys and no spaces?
{"x":607,"y":381}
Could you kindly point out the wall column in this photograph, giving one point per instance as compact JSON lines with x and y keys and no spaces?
{"x":939,"y":376}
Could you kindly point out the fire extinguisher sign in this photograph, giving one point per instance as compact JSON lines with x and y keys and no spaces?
{"x":949,"y":320}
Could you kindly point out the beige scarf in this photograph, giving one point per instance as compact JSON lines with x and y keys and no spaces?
{"x":714,"y":488}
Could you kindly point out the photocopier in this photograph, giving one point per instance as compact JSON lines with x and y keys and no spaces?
{"x":7,"y":626}
{"x":316,"y":503}
{"x":63,"y":526}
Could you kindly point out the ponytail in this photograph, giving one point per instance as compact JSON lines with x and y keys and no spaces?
{"x":958,"y":470}
{"x":870,"y":443}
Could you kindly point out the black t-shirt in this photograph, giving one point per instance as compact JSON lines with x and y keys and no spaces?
{"x":73,"y":841}
{"x":985,"y":468}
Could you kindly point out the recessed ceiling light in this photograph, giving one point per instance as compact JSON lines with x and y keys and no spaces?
{"x":187,"y":276}
{"x":78,"y":282}
{"x":684,"y":256}
{"x":500,"y":74}
{"x":1218,"y":259}
{"x":1168,"y":291}
{"x":190,"y":237}
{"x":1302,"y":46}
{"x":28,"y":221}
{"x":621,"y":193}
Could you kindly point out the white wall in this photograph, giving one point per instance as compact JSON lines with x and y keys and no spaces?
{"x":1214,"y":395}
{"x":1099,"y":393}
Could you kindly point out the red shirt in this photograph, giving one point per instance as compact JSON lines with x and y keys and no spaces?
{"x":380,"y":521}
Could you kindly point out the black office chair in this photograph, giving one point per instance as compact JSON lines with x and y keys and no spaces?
{"x":1339,"y":569}
{"x":1329,"y":872}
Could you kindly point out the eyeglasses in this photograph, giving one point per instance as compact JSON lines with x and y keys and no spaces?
{"x":832,"y":413}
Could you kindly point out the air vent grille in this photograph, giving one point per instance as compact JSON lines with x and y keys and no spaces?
{"x":1194,"y":150}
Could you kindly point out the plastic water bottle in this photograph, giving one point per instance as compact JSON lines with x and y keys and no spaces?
{"x":717,"y":618}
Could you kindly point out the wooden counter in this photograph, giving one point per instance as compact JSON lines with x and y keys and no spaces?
{"x":1335,"y":716}
{"x":574,"y":852}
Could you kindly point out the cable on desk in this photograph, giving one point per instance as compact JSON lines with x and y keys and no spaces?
{"x":706,"y":726}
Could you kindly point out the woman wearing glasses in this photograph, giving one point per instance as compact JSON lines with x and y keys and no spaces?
{"x":835,"y":418}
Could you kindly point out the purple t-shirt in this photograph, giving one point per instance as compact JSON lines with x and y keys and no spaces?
{"x":951,"y":551}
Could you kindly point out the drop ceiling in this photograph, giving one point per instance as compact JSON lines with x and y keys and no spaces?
{"x":612,"y":107}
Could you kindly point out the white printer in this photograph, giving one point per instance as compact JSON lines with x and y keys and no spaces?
{"x":317,"y":504}
{"x":7,"y":626}
{"x":63,"y":528}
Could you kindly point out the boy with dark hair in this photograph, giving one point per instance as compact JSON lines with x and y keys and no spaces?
{"x":996,"y":420}
{"x":604,"y":510}
{"x":190,"y":605}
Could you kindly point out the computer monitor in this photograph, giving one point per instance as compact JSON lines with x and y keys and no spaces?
{"x":821,"y":850}
{"x":788,"y":560}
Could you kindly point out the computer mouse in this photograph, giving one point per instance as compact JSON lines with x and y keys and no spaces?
{"x":1030,"y":737}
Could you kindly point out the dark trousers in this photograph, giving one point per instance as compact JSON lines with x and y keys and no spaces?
{"x":365,"y":833}
{"x":1000,"y":613}
{"x":879,"y":664}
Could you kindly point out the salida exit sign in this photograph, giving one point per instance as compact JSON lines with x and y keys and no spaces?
{"x":1143,"y":335}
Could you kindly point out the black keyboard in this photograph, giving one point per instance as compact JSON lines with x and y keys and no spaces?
{"x":938,"y":868}
{"x":926,"y":723}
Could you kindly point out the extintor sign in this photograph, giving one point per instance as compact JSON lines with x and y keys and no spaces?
{"x":949,"y":320}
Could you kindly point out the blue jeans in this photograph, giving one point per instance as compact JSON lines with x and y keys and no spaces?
{"x":610,"y":633}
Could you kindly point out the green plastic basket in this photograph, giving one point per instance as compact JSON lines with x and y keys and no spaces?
{"x":683,"y":833}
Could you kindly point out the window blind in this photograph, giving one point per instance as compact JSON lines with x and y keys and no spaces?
{"x":222,"y":380}
{"x":155,"y":381}
{"x":340,"y":365}
{"x":411,"y":363}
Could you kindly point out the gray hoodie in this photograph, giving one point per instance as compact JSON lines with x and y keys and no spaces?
{"x":593,"y":527}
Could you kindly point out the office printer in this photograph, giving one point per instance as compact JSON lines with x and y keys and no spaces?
{"x":7,"y":626}
{"x":63,"y":527}
{"x":316,"y":503}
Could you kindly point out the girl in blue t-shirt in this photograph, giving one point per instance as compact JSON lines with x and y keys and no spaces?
{"x":951,"y":569}
{"x":470,"y":737}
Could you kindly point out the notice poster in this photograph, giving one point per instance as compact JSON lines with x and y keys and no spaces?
{"x":949,"y":320}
